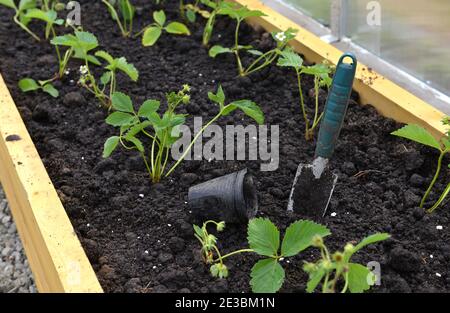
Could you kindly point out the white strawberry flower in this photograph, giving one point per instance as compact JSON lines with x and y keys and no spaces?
{"x":83,"y":69}
{"x":280,"y":36}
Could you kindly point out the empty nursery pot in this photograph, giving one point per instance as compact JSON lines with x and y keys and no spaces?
{"x":231,"y":198}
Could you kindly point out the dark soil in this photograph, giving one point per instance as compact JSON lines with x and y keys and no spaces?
{"x":139,"y":236}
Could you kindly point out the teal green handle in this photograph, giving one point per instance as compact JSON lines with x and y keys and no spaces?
{"x":336,"y":106}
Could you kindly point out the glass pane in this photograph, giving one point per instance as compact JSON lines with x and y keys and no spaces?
{"x":318,"y":9}
{"x":413,"y":35}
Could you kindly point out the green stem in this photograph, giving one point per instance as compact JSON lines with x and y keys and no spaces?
{"x":302,"y":103}
{"x":235,"y":252}
{"x":441,"y":199}
{"x":116,"y":17}
{"x":193,"y":141}
{"x":344,"y":290}
{"x":236,"y":47}
{"x":16,"y":20}
{"x":436,"y":175}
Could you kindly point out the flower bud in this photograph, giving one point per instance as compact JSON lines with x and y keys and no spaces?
{"x":221,"y":226}
{"x":317,"y":241}
{"x":60,"y":6}
{"x":349,"y":248}
{"x":338,"y":256}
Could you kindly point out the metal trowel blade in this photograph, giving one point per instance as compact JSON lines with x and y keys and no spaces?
{"x":312,"y":189}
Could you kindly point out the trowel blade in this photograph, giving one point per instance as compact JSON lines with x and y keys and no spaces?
{"x":311,"y":191}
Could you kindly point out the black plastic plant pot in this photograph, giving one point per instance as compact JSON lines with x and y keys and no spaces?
{"x":231,"y":198}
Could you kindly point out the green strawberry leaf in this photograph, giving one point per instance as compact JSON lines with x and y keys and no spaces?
{"x":418,"y":134}
{"x":151,"y":35}
{"x":28,"y":84}
{"x":148,"y":107}
{"x":263,"y":236}
{"x":51,"y":90}
{"x":159,"y":17}
{"x":299,"y":236}
{"x":360,"y":278}
{"x":267,"y":276}
{"x":251,"y":109}
{"x":110,"y":145}
{"x":119,"y":119}
{"x":122,"y":102}
{"x":217,"y":49}
{"x":177,"y":28}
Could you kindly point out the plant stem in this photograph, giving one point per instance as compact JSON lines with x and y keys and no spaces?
{"x":441,"y":198}
{"x":344,"y":290}
{"x":436,"y":175}
{"x":193,"y":141}
{"x":16,"y":20}
{"x":302,"y":103}
{"x":234,"y":252}
{"x":116,"y":17}
{"x":236,"y":47}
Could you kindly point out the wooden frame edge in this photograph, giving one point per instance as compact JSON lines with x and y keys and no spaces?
{"x":55,"y":255}
{"x":387,"y":97}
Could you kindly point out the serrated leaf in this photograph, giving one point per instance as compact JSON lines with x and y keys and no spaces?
{"x":267,"y":276}
{"x":159,"y":17}
{"x":367,"y":241}
{"x":86,"y":40}
{"x":127,"y":68}
{"x":217,"y":49}
{"x":28,"y":84}
{"x":418,"y":134}
{"x":151,"y":35}
{"x":314,"y":279}
{"x":359,"y":278}
{"x":251,"y":109}
{"x":51,"y":90}
{"x":8,"y":3}
{"x":148,"y":107}
{"x":105,"y":56}
{"x":119,"y":119}
{"x":263,"y":236}
{"x":122,"y":102}
{"x":177,"y":28}
{"x":289,"y":58}
{"x":110,"y":145}
{"x":299,"y":236}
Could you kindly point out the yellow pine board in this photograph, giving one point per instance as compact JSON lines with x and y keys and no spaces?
{"x":55,"y":255}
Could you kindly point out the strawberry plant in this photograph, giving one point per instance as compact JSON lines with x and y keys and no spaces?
{"x":321,"y":73}
{"x":330,"y":269}
{"x":267,"y":275}
{"x":152,"y":32}
{"x":125,"y":18}
{"x":20,"y":16}
{"x":263,"y":59}
{"x":29,"y":84}
{"x":79,"y":45}
{"x":109,"y":77}
{"x":422,"y":136}
{"x":164,"y":128}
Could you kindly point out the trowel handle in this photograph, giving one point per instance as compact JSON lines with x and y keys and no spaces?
{"x":336,"y":106}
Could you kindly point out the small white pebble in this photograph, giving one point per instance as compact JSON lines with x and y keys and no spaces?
{"x":185,"y":202}
{"x":138,"y":237}
{"x":154,"y":266}
{"x":82,"y":158}
{"x":219,"y":36}
{"x":431,"y":256}
{"x":213,"y":81}
{"x":72,"y":81}
{"x":141,"y":195}
{"x":170,"y":225}
{"x":210,"y":159}
{"x":438,"y":275}
{"x":159,"y":241}
{"x":88,"y":224}
{"x":119,"y":219}
{"x":333,"y":214}
{"x":281,"y":259}
{"x":146,"y":251}
{"x":439,"y":227}
{"x":190,"y":212}
{"x":200,"y":74}
{"x":287,"y":261}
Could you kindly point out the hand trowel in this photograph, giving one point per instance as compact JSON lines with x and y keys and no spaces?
{"x":314,"y":183}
